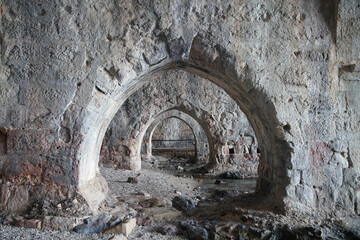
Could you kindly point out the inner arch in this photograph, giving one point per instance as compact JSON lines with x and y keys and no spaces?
{"x":175,"y":137}
{"x":201,"y":143}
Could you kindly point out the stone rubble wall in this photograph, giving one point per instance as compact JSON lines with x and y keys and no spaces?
{"x":292,"y":66}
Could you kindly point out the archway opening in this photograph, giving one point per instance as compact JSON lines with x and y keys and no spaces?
{"x":174,"y":137}
{"x":146,"y":115}
{"x":263,"y":122}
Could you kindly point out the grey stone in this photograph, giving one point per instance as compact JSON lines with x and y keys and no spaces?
{"x":93,"y":224}
{"x":169,"y":230}
{"x":197,"y":233}
{"x":182,"y":204}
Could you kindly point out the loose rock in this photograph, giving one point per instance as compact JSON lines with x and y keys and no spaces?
{"x":197,"y":233}
{"x":182,"y":203}
{"x":144,"y":221}
{"x":169,"y":230}
{"x":124,"y":228}
{"x":135,"y":180}
{"x":93,"y":224}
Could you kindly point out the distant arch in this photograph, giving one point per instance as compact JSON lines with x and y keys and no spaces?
{"x":201,"y":139}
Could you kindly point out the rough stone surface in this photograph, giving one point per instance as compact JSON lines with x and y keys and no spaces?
{"x":169,"y":230}
{"x":93,"y":224}
{"x":293,"y":68}
{"x":182,"y":204}
{"x":124,"y":228}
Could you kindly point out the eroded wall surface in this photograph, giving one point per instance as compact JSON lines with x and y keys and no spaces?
{"x":292,"y":66}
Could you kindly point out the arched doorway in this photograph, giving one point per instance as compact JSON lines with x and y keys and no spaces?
{"x":225,"y":72}
{"x":200,"y":144}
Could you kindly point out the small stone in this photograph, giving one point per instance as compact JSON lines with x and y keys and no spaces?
{"x":124,"y":228}
{"x":244,"y":218}
{"x":177,"y":192}
{"x":169,"y":230}
{"x":162,"y":213}
{"x":143,"y":194}
{"x":179,"y":168}
{"x":135,"y":180}
{"x":132,"y":212}
{"x":218,"y":181}
{"x":58,"y":223}
{"x":144,"y":221}
{"x":182,"y":203}
{"x":233,"y":175}
{"x":197,"y":233}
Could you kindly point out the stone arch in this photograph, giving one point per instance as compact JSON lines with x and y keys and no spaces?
{"x":201,"y":151}
{"x":216,"y":110}
{"x":216,"y":64}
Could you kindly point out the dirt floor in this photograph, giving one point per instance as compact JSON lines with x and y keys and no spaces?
{"x":163,"y":178}
{"x":219,"y":212}
{"x":166,"y":178}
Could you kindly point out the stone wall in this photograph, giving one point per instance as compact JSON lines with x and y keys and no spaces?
{"x":292,"y":67}
{"x":173,"y":129}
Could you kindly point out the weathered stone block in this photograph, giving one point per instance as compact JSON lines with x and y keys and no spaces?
{"x":29,"y":141}
{"x":352,"y":177}
{"x":28,"y":223}
{"x":305,"y":194}
{"x":321,"y":154}
{"x":124,"y":228}
{"x":14,"y":199}
{"x":59,"y":223}
{"x":343,"y":197}
{"x":295,"y":176}
{"x":21,"y":168}
{"x":329,"y":175}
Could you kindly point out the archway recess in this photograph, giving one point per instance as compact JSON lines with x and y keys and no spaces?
{"x":217,"y":65}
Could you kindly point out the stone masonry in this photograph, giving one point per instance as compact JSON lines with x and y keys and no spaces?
{"x":292,"y":67}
